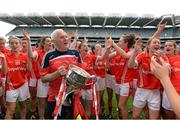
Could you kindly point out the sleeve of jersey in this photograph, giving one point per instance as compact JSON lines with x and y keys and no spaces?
{"x":138,"y":58}
{"x":44,"y":71}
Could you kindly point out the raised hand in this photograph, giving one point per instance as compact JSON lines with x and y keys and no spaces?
{"x":85,"y":39}
{"x":157,"y":54}
{"x":73,"y":35}
{"x":109,"y":43}
{"x":161,"y":27}
{"x":138,"y":44}
{"x":26,"y":35}
{"x":2,"y":55}
{"x":62,"y":70}
{"x":162,"y":70}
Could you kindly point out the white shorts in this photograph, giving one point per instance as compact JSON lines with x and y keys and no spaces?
{"x":1,"y":91}
{"x":87,"y":94}
{"x":146,"y":96}
{"x":110,"y":81}
{"x":42,"y":89}
{"x":122,"y":89}
{"x":21,"y":93}
{"x":165,"y":102}
{"x":100,"y":84}
{"x":33,"y":82}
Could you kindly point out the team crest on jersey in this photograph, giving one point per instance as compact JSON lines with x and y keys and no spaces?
{"x":17,"y":62}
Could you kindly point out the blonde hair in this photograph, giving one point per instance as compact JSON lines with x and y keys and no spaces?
{"x":149,"y":42}
{"x":2,"y":38}
{"x":174,"y":44}
{"x":42,"y":41}
{"x":172,"y":41}
{"x":14,"y":37}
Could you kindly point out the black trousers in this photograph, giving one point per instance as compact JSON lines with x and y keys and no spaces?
{"x":66,"y":112}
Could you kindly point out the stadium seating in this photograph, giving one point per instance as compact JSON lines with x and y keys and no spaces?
{"x":95,"y":34}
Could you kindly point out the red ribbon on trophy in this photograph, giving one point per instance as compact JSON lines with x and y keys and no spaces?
{"x":78,"y":107}
{"x":60,"y":98}
{"x":95,"y":104}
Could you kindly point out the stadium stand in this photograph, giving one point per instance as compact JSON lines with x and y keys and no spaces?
{"x":94,"y":27}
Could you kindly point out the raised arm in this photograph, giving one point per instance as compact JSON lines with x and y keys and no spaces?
{"x":85,"y":39}
{"x":121,"y":51}
{"x":137,"y":49}
{"x":73,"y":44}
{"x":160,"y":28}
{"x":4,"y":64}
{"x":30,"y":53}
{"x":106,"y":53}
{"x":161,"y":71}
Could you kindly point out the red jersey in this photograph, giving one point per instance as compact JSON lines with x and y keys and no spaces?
{"x":35,"y":67}
{"x":100,"y":68}
{"x":17,"y":70}
{"x":147,"y":79}
{"x":122,"y":73}
{"x":175,"y":73}
{"x":5,"y":52}
{"x":136,"y":74}
{"x":41,"y":54}
{"x":112,"y":65}
{"x":88,"y":63}
{"x":36,"y":64}
{"x":38,"y":67}
{"x":1,"y":72}
{"x":52,"y":61}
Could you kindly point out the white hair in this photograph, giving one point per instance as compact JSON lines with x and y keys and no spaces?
{"x":55,"y":32}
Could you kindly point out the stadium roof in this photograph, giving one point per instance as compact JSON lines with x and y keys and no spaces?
{"x":85,"y":20}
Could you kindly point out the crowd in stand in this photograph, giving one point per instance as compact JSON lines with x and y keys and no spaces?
{"x":150,"y":75}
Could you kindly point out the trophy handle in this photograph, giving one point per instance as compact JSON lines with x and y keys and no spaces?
{"x":69,"y":90}
{"x":93,"y":78}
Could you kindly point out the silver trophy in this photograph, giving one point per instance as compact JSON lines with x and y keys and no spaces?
{"x":76,"y":78}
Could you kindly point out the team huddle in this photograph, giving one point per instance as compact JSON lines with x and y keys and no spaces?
{"x":125,"y":68}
